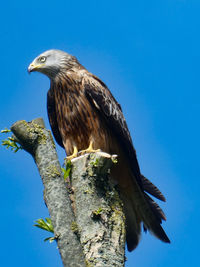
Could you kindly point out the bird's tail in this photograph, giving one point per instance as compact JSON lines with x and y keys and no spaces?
{"x":148,"y":212}
{"x":154,"y":214}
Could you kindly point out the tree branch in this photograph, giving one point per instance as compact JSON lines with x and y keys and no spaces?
{"x":35,"y":139}
{"x":90,"y":229}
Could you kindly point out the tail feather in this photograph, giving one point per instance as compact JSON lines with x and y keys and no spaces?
{"x":152,"y":219}
{"x":150,"y":188}
{"x":157,"y":230}
{"x":133,"y":226}
{"x":154,"y":223}
{"x":158,"y":212}
{"x":149,"y":211}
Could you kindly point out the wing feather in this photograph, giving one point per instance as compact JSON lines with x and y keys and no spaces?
{"x":53,"y":117}
{"x":99,"y":95}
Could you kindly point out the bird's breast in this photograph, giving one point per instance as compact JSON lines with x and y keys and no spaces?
{"x":79,"y":122}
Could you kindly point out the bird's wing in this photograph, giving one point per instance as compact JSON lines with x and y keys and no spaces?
{"x":99,"y":96}
{"x":52,"y":116}
{"x":152,"y":215}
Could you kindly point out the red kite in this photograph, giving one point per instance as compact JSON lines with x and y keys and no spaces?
{"x":84,"y":115}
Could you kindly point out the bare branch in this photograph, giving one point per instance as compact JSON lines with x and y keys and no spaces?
{"x":38,"y":141}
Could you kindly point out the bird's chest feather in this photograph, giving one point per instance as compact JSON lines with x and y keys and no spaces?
{"x":78,"y":121}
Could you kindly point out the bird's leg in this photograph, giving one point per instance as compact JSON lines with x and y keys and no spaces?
{"x":74,"y":155}
{"x":90,"y":149}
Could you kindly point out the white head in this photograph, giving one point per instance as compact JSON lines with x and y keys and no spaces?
{"x":52,"y":62}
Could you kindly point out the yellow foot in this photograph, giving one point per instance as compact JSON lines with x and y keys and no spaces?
{"x":90,"y":149}
{"x":74,"y":155}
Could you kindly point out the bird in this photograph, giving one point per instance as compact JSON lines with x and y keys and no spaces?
{"x":85,"y":116}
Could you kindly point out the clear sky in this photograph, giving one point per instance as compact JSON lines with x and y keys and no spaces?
{"x":147,"y":52}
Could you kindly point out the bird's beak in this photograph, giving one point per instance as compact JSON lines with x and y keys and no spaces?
{"x":33,"y":67}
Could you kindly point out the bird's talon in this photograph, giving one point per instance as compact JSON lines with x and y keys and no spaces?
{"x":87,"y":151}
{"x":69,"y":158}
{"x":74,"y":155}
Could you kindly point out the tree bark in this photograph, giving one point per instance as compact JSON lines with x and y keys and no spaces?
{"x":35,"y":139}
{"x":89,"y":222}
{"x":99,"y":210}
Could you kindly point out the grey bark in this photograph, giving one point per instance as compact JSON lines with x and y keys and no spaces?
{"x":99,"y":210}
{"x":35,"y":139}
{"x":89,"y":223}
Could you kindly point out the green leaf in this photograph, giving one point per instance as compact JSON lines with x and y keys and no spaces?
{"x":51,"y":239}
{"x":67,"y":169}
{"x":48,"y":220}
{"x":46,"y":239}
{"x":10,"y":142}
{"x":5,"y":131}
{"x":45,"y":225}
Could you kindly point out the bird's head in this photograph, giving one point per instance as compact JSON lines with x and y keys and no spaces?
{"x":52,"y":62}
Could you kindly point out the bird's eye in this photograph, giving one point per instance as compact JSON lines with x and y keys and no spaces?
{"x":42,"y":59}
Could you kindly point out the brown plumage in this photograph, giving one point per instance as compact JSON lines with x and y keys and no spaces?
{"x":81,"y":111}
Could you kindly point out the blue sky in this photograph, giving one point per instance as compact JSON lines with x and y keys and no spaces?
{"x":147,"y":52}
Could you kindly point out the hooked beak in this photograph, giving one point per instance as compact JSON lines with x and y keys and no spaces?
{"x":33,"y":67}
